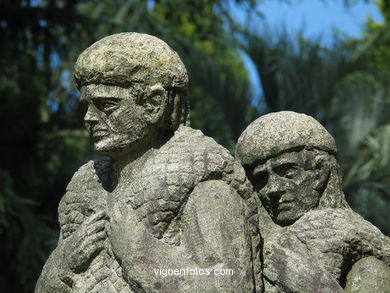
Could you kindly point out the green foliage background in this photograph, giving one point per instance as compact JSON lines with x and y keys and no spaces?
{"x":43,"y":141}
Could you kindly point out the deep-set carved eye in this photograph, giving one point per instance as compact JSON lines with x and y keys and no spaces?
{"x":259,"y":180}
{"x":289,"y":170}
{"x":107,"y":105}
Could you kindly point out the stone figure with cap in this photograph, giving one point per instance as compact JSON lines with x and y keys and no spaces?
{"x":313,"y":241}
{"x":164,"y":197}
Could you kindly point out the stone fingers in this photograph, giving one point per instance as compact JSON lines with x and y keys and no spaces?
{"x":95,"y":227}
{"x":95,"y":235}
{"x":102,"y":215}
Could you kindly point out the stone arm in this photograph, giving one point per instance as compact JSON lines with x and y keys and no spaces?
{"x":214,"y":235}
{"x":73,"y":255}
{"x":323,"y":245}
{"x":53,"y":273}
{"x":290,"y":266}
{"x":368,"y":275}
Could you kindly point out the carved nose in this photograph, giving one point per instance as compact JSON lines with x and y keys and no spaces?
{"x":274,"y":189}
{"x":91,"y":116}
{"x":275,"y":195}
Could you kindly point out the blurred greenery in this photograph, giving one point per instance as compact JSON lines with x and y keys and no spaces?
{"x":345,"y":87}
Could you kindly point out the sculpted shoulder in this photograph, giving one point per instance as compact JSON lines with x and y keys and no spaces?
{"x":208,"y":159}
{"x":91,"y":175}
{"x":342,"y":228}
{"x":159,"y":190}
{"x":187,"y":140}
{"x":338,"y":236}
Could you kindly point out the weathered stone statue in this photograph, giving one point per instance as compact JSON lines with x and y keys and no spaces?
{"x":165,"y":198}
{"x":313,"y":241}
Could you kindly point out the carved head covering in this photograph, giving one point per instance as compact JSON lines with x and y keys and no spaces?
{"x":278,"y":132}
{"x":128,"y":58}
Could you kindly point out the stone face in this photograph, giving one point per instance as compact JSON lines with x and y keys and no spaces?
{"x":290,"y":176}
{"x":312,"y":240}
{"x":165,"y":198}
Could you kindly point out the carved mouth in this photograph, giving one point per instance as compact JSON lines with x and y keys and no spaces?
{"x":284,"y":204}
{"x":98,"y":133}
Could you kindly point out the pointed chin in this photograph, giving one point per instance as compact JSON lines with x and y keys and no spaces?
{"x":116,"y":144}
{"x":287,"y":216}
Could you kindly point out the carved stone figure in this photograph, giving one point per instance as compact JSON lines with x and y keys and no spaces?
{"x":166,"y":196}
{"x":313,"y":241}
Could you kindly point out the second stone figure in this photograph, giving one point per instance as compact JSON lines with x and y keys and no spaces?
{"x":313,"y":241}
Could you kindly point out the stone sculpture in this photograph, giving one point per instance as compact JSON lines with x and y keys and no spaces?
{"x":166,"y":196}
{"x":313,"y":241}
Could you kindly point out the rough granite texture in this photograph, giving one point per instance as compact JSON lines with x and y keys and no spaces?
{"x":277,"y":132}
{"x":166,"y":196}
{"x":316,"y":253}
{"x":182,"y":197}
{"x":312,"y":240}
{"x":151,"y":60}
{"x":368,"y":275}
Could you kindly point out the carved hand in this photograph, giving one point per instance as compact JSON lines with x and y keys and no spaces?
{"x":85,"y":243}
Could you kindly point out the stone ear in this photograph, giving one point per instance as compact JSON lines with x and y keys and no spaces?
{"x":322,"y":171}
{"x":155,"y":103}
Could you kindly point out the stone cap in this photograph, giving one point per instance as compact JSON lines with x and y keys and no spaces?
{"x":278,"y":132}
{"x":129,"y":58}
